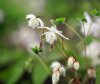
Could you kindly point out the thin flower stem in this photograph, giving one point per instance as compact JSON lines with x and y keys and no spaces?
{"x":74,"y":31}
{"x":89,"y":29}
{"x":76,"y":74}
{"x":43,"y":64}
{"x":61,"y":52}
{"x":63,"y":45}
{"x":84,"y":41}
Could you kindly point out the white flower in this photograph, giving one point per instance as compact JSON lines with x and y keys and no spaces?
{"x":76,"y":65}
{"x":86,"y":25}
{"x":51,"y":34}
{"x":58,"y":70}
{"x":91,"y":27}
{"x":93,"y":51}
{"x":34,"y":22}
{"x":70,"y":62}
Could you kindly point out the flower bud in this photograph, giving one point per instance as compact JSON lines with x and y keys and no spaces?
{"x":55,"y":65}
{"x":91,"y":72}
{"x":70,"y":62}
{"x":62,"y":70}
{"x":58,"y":70}
{"x":55,"y":77}
{"x":76,"y":65}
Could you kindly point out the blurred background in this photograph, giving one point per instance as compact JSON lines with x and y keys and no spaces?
{"x":17,"y":62}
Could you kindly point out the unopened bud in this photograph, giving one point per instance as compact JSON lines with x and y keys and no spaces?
{"x":55,"y":77}
{"x":91,"y":72}
{"x":58,"y":70}
{"x":70,"y":62}
{"x":76,"y":65}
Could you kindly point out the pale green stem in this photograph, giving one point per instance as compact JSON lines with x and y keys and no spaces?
{"x":76,"y":74}
{"x":62,"y":54}
{"x":89,"y":28}
{"x":63,"y":45}
{"x":84,"y":40}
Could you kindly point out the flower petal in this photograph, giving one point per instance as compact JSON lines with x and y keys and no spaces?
{"x":44,"y":28}
{"x":50,"y":37}
{"x":62,"y":35}
{"x":62,"y":70}
{"x":29,"y":16}
{"x":55,"y":77}
{"x":33,"y":22}
{"x":41,"y":22}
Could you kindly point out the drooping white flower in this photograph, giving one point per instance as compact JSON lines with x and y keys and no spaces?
{"x":58,"y":70}
{"x":76,"y":65}
{"x":70,"y":62}
{"x":86,"y":25}
{"x":51,"y":34}
{"x":34,"y":22}
{"x":93,"y":52}
{"x":91,"y":27}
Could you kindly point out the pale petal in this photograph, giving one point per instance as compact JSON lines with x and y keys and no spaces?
{"x":29,"y":16}
{"x":54,"y":29}
{"x":55,"y":77}
{"x":55,"y":64}
{"x":71,"y":61}
{"x":76,"y":65}
{"x":44,"y":28}
{"x":41,"y":22}
{"x":33,"y":22}
{"x":88,"y":18}
{"x":50,"y":37}
{"x":62,"y":70}
{"x":62,"y":35}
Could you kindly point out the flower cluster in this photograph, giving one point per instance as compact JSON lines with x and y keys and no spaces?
{"x":72,"y":63}
{"x":51,"y":34}
{"x":58,"y":70}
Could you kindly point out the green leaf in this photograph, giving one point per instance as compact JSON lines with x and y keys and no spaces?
{"x":39,"y":75}
{"x":35,"y":50}
{"x":95,"y":12}
{"x":59,"y":20}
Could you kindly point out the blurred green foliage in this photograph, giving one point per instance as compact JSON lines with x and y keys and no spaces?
{"x":13,"y":60}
